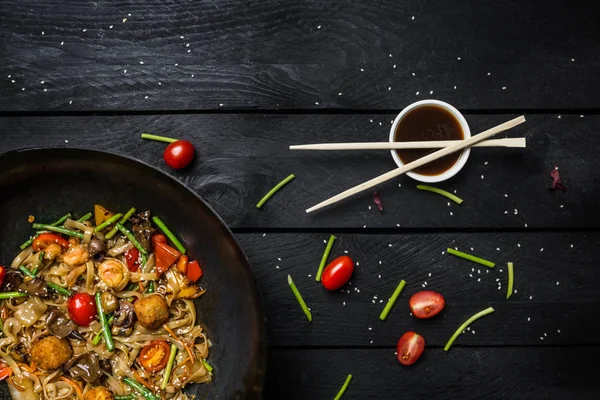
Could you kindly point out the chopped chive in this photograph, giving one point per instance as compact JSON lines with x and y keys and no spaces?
{"x":64,"y":231}
{"x":161,"y":225}
{"x":299,"y":298}
{"x":85,"y":217}
{"x":141,"y":389}
{"x":208,"y":367}
{"x":324,"y":257}
{"x":448,"y":195}
{"x":471,"y":258}
{"x":41,"y":256}
{"x":26,"y":271}
{"x":114,"y":230}
{"x":343,"y":388}
{"x":274,"y":190}
{"x":131,"y":238}
{"x":59,"y":289}
{"x":98,"y":336}
{"x":511,"y":279}
{"x":108,"y":222}
{"x":165,"y":380}
{"x":158,"y":138}
{"x":35,"y":271}
{"x":108,"y":340}
{"x":150,"y":287}
{"x":10,"y":295}
{"x":61,"y":220}
{"x":467,"y":323}
{"x":392,"y":300}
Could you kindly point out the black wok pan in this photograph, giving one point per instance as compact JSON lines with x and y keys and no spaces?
{"x":48,"y":183}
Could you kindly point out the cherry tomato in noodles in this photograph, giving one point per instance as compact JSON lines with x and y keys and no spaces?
{"x":155,"y":355}
{"x":410,"y":347}
{"x":179,"y":154}
{"x":426,"y":304}
{"x":337,"y":273}
{"x":82,"y":308}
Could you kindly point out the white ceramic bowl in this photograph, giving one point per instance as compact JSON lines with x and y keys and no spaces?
{"x":462,"y":160}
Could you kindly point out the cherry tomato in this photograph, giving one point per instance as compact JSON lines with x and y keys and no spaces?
{"x":155,"y":355}
{"x":2,"y":276}
{"x":158,"y":238}
{"x":179,"y":154}
{"x":132,"y":257}
{"x":44,"y":239}
{"x":410,"y":347}
{"x":426,"y":304}
{"x":337,"y":273}
{"x":82,"y":308}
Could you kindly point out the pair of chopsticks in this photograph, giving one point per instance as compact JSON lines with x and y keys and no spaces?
{"x":453,"y":147}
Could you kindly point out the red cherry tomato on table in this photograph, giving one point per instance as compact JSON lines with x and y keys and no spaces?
{"x":132,"y":257}
{"x":410,"y":347}
{"x":179,"y":154}
{"x":155,"y":355}
{"x":426,"y":304}
{"x":337,"y":273}
{"x":82,"y":308}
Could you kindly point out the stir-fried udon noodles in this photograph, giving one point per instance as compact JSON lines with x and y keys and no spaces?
{"x":101,"y":311}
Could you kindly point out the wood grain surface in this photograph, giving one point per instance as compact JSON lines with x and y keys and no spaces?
{"x":279,"y":54}
{"x":242,"y":156}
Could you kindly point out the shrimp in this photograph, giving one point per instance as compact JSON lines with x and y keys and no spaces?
{"x":52,"y":251}
{"x":76,"y":254}
{"x":113,"y":273}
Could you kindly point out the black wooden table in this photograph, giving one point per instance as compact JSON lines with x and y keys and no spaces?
{"x":243,"y":80}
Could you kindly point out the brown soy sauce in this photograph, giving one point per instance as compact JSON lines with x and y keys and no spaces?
{"x":427,"y":123}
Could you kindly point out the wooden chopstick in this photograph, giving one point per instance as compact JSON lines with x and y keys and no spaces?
{"x":436,"y":144}
{"x":421,"y":161}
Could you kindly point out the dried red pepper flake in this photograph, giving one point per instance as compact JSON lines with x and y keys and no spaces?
{"x":556,"y":182}
{"x":377,"y":201}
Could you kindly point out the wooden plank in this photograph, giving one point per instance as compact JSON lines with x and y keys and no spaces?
{"x":241,"y":156}
{"x":481,"y":373}
{"x":184,"y":55}
{"x":555,"y":298}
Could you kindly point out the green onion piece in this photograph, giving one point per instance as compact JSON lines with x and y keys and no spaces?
{"x":392,"y":300}
{"x":131,"y":238}
{"x":85,"y":217}
{"x":126,"y":397}
{"x":41,"y":256}
{"x":150,"y":287}
{"x":11,"y":295}
{"x":110,"y":346}
{"x":299,"y":298}
{"x":141,"y":389}
{"x":467,"y":323}
{"x":108,"y":222}
{"x":448,"y":195}
{"x":161,"y":225}
{"x":208,"y":367}
{"x":113,"y":231}
{"x":511,"y":279}
{"x":344,"y":387}
{"x":61,"y":220}
{"x":158,"y":138}
{"x":165,"y":380}
{"x":274,"y":190}
{"x":28,"y":242}
{"x":324,"y":257}
{"x":471,"y":258}
{"x":35,"y":271}
{"x":59,"y":289}
{"x":64,"y":231}
{"x":98,"y":337}
{"x":26,"y":271}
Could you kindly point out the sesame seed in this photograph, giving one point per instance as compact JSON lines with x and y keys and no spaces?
{"x":379,"y":276}
{"x":515,"y":291}
{"x":344,"y":303}
{"x":42,"y":32}
{"x":413,"y":74}
{"x":369,"y":207}
{"x":62,"y":43}
{"x":413,"y":18}
{"x":390,"y":55}
{"x":530,"y":297}
{"x":370,"y":120}
{"x":340,"y":93}
{"x":478,"y":279}
{"x":187,"y":45}
{"x":528,"y":319}
{"x":362,"y":70}
{"x":557,"y":283}
{"x":572,"y":59}
{"x":70,"y":101}
{"x":471,"y":275}
{"x":141,"y":62}
{"x":545,"y":334}
{"x":310,"y":275}
{"x":389,"y":88}
{"x":370,"y":328}
{"x":124,"y":20}
{"x":541,"y":338}
{"x":124,"y":71}
{"x":431,"y":92}
{"x":66,"y":141}
{"x":45,"y":90}
{"x":454,"y":87}
{"x":451,"y":213}
{"x":110,"y":27}
{"x":277,"y":266}
{"x":571,"y":246}
{"x":390,"y":245}
{"x":559,"y":117}
{"x":503,"y":87}
{"x":430,"y":274}
{"x":12,"y":81}
{"x":189,"y":51}
{"x":319,"y":27}
{"x":394,"y":66}
{"x":458,"y":58}
{"x":146,"y":97}
{"x":85,"y":30}
{"x":518,"y":244}
{"x":221,"y":105}
{"x":505,"y":195}
{"x":558,"y":330}
{"x":542,"y":249}
{"x":489,"y":73}
{"x":481,"y":176}
{"x":417,"y":93}
{"x":371,"y":341}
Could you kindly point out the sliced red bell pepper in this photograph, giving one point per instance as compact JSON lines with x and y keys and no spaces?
{"x":164,"y":256}
{"x":132,"y":256}
{"x":158,"y":238}
{"x":194,"y":271}
{"x":44,"y":239}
